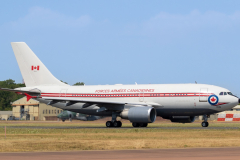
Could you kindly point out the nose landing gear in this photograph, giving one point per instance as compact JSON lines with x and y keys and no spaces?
{"x":205,"y":122}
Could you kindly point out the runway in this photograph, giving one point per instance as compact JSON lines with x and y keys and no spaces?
{"x":92,"y":127}
{"x":170,"y":154}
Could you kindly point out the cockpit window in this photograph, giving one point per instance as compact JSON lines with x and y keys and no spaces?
{"x":221,"y":93}
{"x":225,"y":93}
{"x":230,"y":93}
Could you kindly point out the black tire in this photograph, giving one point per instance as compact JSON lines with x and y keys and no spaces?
{"x":143,"y":124}
{"x":119,"y":124}
{"x":134,"y":124}
{"x":109,"y":124}
{"x":63,"y":120}
{"x":205,"y":124}
{"x":115,"y":124}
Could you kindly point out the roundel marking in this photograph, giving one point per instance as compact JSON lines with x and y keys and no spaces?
{"x":213,"y":99}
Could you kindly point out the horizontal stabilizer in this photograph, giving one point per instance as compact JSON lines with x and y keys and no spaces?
{"x":18,"y":91}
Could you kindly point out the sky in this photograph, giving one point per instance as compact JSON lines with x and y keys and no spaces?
{"x":123,"y":42}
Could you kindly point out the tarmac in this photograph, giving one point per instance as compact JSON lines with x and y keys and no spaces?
{"x":169,"y":154}
{"x":91,"y":127}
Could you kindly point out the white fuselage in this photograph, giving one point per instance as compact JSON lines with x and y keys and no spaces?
{"x":167,"y":99}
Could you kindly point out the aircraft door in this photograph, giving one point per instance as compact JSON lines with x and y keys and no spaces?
{"x":203,"y":95}
{"x":141,"y":97}
{"x":63,"y":93}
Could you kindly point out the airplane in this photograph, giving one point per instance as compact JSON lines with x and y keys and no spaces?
{"x":73,"y":115}
{"x":140,"y":104}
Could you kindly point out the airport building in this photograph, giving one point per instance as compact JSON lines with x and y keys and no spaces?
{"x":4,"y":115}
{"x":34,"y":110}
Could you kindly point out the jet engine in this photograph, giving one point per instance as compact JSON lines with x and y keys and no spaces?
{"x":183,"y":119}
{"x":139,"y":114}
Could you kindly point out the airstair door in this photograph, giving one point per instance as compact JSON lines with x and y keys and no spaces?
{"x":203,"y":95}
{"x":63,"y":93}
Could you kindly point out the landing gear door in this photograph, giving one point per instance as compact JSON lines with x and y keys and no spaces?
{"x":63,"y":93}
{"x":141,"y":97}
{"x":203,"y":95}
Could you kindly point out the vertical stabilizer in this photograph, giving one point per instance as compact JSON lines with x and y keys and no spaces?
{"x":34,"y":72}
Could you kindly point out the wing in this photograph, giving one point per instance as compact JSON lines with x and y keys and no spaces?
{"x":103,"y":103}
{"x":93,"y":101}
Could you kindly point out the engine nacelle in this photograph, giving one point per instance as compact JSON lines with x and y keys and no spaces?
{"x":183,"y":119}
{"x":139,"y":114}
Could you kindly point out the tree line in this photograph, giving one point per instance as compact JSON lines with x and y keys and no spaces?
{"x":7,"y":97}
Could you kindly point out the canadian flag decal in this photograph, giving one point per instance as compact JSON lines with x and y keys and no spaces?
{"x":35,"y":68}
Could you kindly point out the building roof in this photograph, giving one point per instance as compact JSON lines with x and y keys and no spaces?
{"x":23,"y":101}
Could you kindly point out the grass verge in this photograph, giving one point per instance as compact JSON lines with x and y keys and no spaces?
{"x":159,"y":135}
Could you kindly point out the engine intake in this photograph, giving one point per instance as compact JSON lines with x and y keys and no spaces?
{"x":139,"y":114}
{"x":183,"y":119}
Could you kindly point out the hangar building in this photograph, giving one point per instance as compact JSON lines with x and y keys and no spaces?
{"x":34,"y":110}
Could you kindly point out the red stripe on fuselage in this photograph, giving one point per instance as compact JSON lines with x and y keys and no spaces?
{"x":126,"y":95}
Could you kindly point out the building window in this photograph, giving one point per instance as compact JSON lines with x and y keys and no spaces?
{"x":49,"y":112}
{"x":43,"y":111}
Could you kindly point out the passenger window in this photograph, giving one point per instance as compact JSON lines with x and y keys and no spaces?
{"x":221,"y":93}
{"x":225,"y":93}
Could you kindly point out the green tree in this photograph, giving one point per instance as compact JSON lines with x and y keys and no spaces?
{"x":7,"y":97}
{"x":79,"y":83}
{"x":64,"y":82}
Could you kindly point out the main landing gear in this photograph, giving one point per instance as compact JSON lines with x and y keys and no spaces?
{"x":114,"y":122}
{"x":134,"y":124}
{"x":205,"y":122}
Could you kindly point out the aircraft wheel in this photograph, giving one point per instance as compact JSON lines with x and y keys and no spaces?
{"x":134,"y":124}
{"x":115,"y":124}
{"x":205,"y":124}
{"x":143,"y":124}
{"x":109,"y":124}
{"x":63,"y":120}
{"x":119,"y":123}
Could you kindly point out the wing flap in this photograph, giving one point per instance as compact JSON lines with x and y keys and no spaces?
{"x":91,"y":101}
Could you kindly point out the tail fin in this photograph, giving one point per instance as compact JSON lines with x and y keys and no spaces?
{"x":34,"y":72}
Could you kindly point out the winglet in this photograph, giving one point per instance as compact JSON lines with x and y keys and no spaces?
{"x":28,"y":96}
